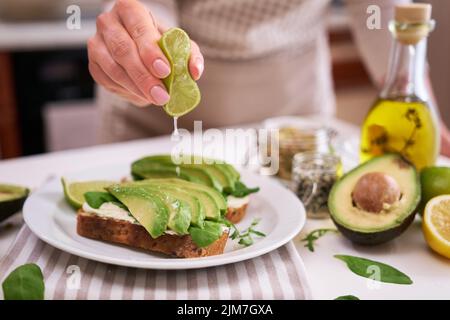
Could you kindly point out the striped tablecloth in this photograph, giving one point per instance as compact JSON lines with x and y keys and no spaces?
{"x":279,"y":274}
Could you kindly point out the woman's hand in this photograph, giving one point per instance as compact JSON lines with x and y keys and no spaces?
{"x":124,"y":56}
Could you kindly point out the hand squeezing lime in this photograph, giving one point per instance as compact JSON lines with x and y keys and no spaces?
{"x":183,"y":90}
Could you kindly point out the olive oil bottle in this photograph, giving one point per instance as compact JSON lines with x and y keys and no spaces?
{"x":402,"y":120}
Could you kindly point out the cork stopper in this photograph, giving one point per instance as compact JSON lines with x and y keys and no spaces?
{"x":413,"y":13}
{"x":412,"y":22}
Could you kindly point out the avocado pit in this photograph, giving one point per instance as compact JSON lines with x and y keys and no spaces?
{"x":375,"y":192}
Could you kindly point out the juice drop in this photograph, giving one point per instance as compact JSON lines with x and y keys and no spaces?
{"x":175,"y":133}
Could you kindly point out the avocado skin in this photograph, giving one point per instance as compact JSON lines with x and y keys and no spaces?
{"x":370,"y":239}
{"x":10,"y":207}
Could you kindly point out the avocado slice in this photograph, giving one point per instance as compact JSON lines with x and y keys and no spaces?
{"x":146,"y":207}
{"x":218,"y":197}
{"x":198,"y":211}
{"x":179,"y":210}
{"x":210,"y":198}
{"x":147,"y":168}
{"x":199,"y":170}
{"x":356,"y":212}
{"x":12,"y":198}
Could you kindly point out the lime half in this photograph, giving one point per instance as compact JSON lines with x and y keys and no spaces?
{"x":183,"y":90}
{"x":74,"y":192}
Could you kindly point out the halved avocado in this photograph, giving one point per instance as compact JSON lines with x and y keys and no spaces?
{"x":12,"y":198}
{"x":387,"y":182}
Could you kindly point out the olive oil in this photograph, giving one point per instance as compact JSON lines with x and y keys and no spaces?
{"x":402,"y":119}
{"x":401,"y":126}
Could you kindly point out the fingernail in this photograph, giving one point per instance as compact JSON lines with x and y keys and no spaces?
{"x":199,"y":65}
{"x":161,"y":68}
{"x":159,"y":95}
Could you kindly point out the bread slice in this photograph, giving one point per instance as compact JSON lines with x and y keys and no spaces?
{"x":134,"y":235}
{"x":235,"y":215}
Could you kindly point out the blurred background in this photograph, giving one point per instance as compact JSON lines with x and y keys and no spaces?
{"x":47,"y":95}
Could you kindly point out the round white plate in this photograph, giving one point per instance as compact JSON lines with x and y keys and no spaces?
{"x":48,"y":215}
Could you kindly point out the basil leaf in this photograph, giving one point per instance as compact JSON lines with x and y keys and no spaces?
{"x":24,"y":283}
{"x":95,"y":199}
{"x":241,"y":190}
{"x":348,"y":297}
{"x":204,"y":237}
{"x":374,"y":270}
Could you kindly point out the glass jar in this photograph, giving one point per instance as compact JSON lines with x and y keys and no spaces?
{"x":293,"y":140}
{"x":313,"y":176}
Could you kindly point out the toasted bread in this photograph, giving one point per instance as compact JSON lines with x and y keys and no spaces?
{"x":235,"y":215}
{"x":134,"y":235}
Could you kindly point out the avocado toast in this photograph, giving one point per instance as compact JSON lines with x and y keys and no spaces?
{"x":212,"y":173}
{"x":169,"y":216}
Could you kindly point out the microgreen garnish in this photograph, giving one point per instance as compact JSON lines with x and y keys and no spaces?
{"x":245,"y":237}
{"x":313,"y":236}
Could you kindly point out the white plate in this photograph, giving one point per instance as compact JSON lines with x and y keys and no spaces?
{"x":52,"y":220}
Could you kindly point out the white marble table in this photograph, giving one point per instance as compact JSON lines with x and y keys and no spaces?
{"x":328,"y":276}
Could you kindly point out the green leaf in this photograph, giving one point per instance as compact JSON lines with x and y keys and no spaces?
{"x":24,"y":283}
{"x":246,"y":241}
{"x":245,"y":237}
{"x":258,"y":233}
{"x":348,"y":297}
{"x":95,"y":199}
{"x":204,"y":237}
{"x":374,"y":270}
{"x":241,"y":190}
{"x":313,"y":236}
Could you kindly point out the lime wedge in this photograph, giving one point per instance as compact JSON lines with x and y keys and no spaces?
{"x":183,"y":90}
{"x":74,"y":192}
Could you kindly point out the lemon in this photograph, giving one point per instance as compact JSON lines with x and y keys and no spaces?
{"x":183,"y":90}
{"x":436,"y":224}
{"x":435,"y":181}
{"x":74,"y":192}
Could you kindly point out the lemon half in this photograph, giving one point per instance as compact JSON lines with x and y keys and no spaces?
{"x":436,"y":224}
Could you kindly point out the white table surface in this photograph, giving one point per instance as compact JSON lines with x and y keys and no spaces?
{"x":328,"y":276}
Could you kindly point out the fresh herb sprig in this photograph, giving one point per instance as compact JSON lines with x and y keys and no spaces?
{"x":246,"y":237}
{"x":315,"y":235}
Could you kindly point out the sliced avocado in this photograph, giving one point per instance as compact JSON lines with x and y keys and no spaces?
{"x":198,"y":211}
{"x":146,"y":207}
{"x":148,"y":168}
{"x":231,"y":170}
{"x":220,"y":176}
{"x":180,"y":211}
{"x":12,"y":198}
{"x":218,"y":197}
{"x":206,"y":195}
{"x":387,"y":182}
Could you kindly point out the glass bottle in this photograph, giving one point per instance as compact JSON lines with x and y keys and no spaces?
{"x":402,"y":119}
